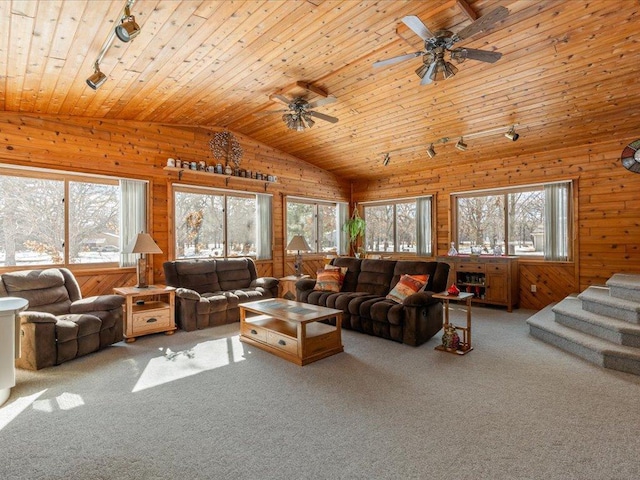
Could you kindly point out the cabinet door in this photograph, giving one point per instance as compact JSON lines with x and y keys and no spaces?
{"x":496,"y":288}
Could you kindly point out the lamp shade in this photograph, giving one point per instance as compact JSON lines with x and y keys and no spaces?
{"x":298,"y":243}
{"x":143,"y":243}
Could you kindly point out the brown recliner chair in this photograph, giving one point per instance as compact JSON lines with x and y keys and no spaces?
{"x":59,"y":325}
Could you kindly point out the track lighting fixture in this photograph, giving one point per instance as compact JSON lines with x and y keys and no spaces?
{"x":512,"y":135}
{"x":97,"y":79}
{"x":128,"y":28}
{"x":461,"y":145}
{"x":387,"y":159}
{"x":431,"y":151}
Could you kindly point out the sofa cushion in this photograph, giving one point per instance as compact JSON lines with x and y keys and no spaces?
{"x":408,"y":285}
{"x":353,"y":270}
{"x":200,"y":276}
{"x":234,"y":273}
{"x":375,"y":276}
{"x":329,"y":280}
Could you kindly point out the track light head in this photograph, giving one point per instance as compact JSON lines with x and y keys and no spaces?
{"x":97,"y":78}
{"x":387,"y":159}
{"x":431,"y":151}
{"x":512,"y":135}
{"x":461,"y":145}
{"x":128,"y":28}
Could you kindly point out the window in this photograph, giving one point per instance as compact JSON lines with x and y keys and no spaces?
{"x":53,"y":218}
{"x":318,"y":222}
{"x":216,"y":223}
{"x":402,"y":226}
{"x":527,"y":221}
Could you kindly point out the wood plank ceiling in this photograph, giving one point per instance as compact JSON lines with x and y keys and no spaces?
{"x":568,"y":74}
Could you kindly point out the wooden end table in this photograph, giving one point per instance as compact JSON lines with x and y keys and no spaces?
{"x":465,"y":342}
{"x":147,"y":310}
{"x":288,"y":286}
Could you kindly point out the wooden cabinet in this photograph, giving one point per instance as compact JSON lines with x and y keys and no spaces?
{"x":492,"y":280}
{"x":147,"y":310}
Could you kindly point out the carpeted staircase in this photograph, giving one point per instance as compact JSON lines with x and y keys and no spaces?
{"x":601,"y":325}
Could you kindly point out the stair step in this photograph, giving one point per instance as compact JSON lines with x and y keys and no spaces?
{"x":625,"y":286}
{"x":598,"y":300}
{"x":569,"y":312}
{"x":543,"y":326}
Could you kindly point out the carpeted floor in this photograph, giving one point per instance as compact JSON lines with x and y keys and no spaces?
{"x":202,"y":405}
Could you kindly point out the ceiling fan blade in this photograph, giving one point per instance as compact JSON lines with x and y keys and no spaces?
{"x":483,"y":23}
{"x":322,"y":101}
{"x":322,"y":116}
{"x":282,"y":98}
{"x":426,"y":80}
{"x":475,"y":54}
{"x":401,"y":58}
{"x":419,"y":28}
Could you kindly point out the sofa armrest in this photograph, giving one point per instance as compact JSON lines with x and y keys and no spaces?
{"x":305,"y":284}
{"x":187,"y":294}
{"x":419,"y":299}
{"x":37,"y":317}
{"x":96,"y":304}
{"x":265,"y":282}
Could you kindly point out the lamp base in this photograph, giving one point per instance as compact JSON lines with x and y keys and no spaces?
{"x":142,"y":272}
{"x":298,"y":265}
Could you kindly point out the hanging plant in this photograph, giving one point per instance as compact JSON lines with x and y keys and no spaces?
{"x":355,"y":228}
{"x":224,"y":146}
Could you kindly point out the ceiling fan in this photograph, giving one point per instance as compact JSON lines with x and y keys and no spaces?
{"x":434,"y":67}
{"x":299,"y":112}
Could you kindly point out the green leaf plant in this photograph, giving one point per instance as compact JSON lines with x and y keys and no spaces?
{"x":355,"y":228}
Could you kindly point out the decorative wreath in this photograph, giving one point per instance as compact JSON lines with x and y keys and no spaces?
{"x":224,"y":145}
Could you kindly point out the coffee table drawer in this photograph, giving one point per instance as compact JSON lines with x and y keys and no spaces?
{"x":282,"y":342}
{"x":253,"y":331}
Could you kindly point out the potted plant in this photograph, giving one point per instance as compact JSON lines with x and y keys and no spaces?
{"x":355,"y":228}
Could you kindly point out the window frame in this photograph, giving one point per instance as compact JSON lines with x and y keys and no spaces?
{"x":66,"y":177}
{"x":394,"y":202}
{"x":505,"y":191}
{"x":212,"y":191}
{"x":315,"y":242}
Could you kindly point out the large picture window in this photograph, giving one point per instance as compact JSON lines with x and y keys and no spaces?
{"x":318,"y":222}
{"x":53,"y":218}
{"x":531,"y":221}
{"x":401,"y":226}
{"x":216,"y":223}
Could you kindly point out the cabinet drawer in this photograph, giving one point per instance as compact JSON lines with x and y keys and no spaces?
{"x":283,"y":342}
{"x":253,"y":331}
{"x":496,"y":268}
{"x":152,"y":320}
{"x":470,"y":267}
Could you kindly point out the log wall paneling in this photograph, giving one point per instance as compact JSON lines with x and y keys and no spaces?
{"x":140,"y":150}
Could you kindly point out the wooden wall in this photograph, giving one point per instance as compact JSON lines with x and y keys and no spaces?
{"x":608,"y":213}
{"x":140,"y":150}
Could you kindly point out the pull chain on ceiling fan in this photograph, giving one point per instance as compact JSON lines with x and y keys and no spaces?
{"x":434,"y":66}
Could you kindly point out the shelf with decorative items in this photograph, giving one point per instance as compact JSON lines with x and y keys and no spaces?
{"x":184,"y":172}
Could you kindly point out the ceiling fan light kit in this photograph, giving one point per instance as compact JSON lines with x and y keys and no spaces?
{"x":435,"y":67}
{"x":299,"y":112}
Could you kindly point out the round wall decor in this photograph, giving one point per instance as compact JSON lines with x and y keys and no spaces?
{"x":630,"y":157}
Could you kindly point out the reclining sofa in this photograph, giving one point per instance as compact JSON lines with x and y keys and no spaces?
{"x":208,"y":292}
{"x":363,"y":298}
{"x":58,"y":324}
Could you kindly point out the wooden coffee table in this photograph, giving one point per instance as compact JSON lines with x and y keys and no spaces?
{"x":291,"y":330}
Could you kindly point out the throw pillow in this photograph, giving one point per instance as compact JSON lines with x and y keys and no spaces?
{"x":408,"y":285}
{"x":344,"y":270}
{"x":329,"y":280}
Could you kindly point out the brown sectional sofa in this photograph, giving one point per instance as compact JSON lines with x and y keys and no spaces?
{"x":59,"y":325}
{"x":209,"y":291}
{"x":362,"y":298}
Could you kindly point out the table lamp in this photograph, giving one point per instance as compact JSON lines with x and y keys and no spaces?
{"x":299,"y":244}
{"x":143,"y":244}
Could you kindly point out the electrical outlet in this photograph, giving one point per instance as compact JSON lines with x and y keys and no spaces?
{"x":534,"y":289}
